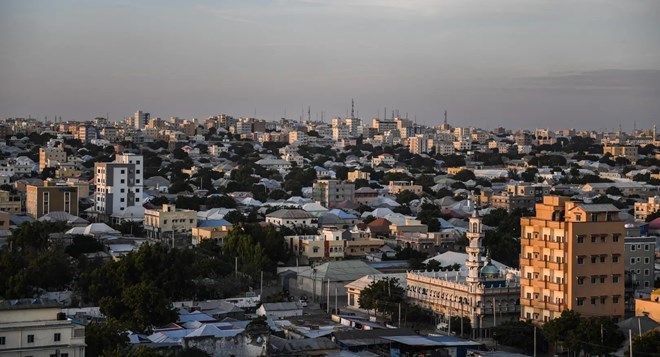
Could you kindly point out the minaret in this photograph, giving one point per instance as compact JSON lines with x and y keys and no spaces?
{"x":474,"y":249}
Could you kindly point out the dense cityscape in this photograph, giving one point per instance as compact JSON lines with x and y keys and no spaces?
{"x":241,"y":236}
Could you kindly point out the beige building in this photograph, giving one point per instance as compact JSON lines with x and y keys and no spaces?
{"x":629,"y":152}
{"x":332,"y":244}
{"x":358,"y":175}
{"x":484,"y":293}
{"x":38,"y":328}
{"x":572,"y":258}
{"x":41,"y":200}
{"x":645,"y":209}
{"x":330,"y":192}
{"x":51,"y":156}
{"x":169,"y":221}
{"x":399,"y":186}
{"x":649,"y":307}
{"x":10,"y":203}
{"x":216,"y":234}
{"x":292,"y":218}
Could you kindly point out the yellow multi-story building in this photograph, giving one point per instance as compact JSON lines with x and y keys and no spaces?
{"x":645,"y":209}
{"x":51,"y":156}
{"x":399,"y":186}
{"x":572,"y":258}
{"x":169,"y":221}
{"x":649,"y":307}
{"x":628,"y":151}
{"x":10,"y":203}
{"x":358,"y":175}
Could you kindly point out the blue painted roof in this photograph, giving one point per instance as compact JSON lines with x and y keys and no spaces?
{"x":213,"y":223}
{"x":341,"y":214}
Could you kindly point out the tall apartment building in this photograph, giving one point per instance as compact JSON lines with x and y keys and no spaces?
{"x":330,"y":192}
{"x":140,"y":119}
{"x":640,"y":261}
{"x":50,"y":156}
{"x":382,"y":126}
{"x":572,"y":258}
{"x":41,"y":200}
{"x":418,"y":144}
{"x":119,"y":184}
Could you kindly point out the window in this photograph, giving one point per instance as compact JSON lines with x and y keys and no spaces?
{"x":646,"y":260}
{"x":602,"y":258}
{"x":646,"y":272}
{"x":632,"y":248}
{"x":580,"y":301}
{"x":2,"y":340}
{"x":602,"y":238}
{"x":593,"y":239}
{"x":593,"y":301}
{"x":122,"y":181}
{"x":123,"y":172}
{"x":615,"y":259}
{"x":594,"y":279}
{"x":615,"y":278}
{"x":602,"y":279}
{"x":580,"y":280}
{"x":615,"y":299}
{"x":646,"y":247}
{"x":580,"y":260}
{"x":57,"y":337}
{"x":580,"y":239}
{"x":615,"y":238}
{"x":30,"y":338}
{"x":593,"y":259}
{"x":632,"y":260}
{"x":602,"y":300}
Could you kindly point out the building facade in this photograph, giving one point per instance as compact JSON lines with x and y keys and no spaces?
{"x":330,"y":192}
{"x":169,"y":222}
{"x":41,"y":200}
{"x":572,"y":258}
{"x":119,"y":184}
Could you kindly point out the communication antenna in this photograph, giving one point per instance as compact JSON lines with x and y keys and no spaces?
{"x":352,"y":108}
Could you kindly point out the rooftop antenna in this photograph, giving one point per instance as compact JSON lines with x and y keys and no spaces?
{"x":385,"y":113}
{"x":445,"y":118}
{"x":634,"y":126}
{"x":377,"y":113}
{"x":309,"y":113}
{"x":322,"y":116}
{"x":352,"y":108}
{"x":415,"y":115}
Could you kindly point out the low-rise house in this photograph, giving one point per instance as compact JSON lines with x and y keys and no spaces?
{"x":291,"y":218}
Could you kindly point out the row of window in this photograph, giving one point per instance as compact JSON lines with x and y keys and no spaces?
{"x":57,"y":337}
{"x":595,"y":300}
{"x":595,"y":279}
{"x":602,"y":238}
{"x":639,"y":247}
{"x":598,"y":258}
{"x":634,"y":260}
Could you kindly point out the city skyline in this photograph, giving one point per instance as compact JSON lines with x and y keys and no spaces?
{"x":588,"y":65}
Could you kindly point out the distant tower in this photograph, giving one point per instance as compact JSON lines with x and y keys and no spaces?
{"x":352,"y":108}
{"x":474,"y":249}
{"x":445,"y":119}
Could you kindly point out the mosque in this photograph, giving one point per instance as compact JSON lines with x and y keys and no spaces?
{"x":485,"y":292}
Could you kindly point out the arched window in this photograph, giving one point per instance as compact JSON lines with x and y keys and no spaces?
{"x":475,"y":228}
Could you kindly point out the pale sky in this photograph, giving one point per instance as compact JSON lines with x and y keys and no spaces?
{"x":514,"y":63}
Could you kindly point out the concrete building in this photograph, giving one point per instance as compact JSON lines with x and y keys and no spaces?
{"x":571,"y":259}
{"x":640,"y":261}
{"x":330,"y":192}
{"x":140,"y":120}
{"x":10,"y":203}
{"x":649,"y":307}
{"x":628,"y":151}
{"x":396,"y":187}
{"x":644,"y":209}
{"x":292,"y":218}
{"x":418,"y":144}
{"x":479,"y":291}
{"x":169,"y":222}
{"x":119,"y":184}
{"x":30,"y":327}
{"x":51,"y":156}
{"x":41,"y":200}
{"x":358,"y":175}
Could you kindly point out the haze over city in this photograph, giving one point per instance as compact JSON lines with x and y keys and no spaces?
{"x":512,"y":63}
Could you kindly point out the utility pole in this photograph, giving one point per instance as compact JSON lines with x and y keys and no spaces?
{"x":328,"y":298}
{"x":336,"y":306}
{"x":630,"y":342}
{"x":261,"y":288}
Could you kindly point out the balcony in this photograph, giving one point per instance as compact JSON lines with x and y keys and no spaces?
{"x":539,"y":284}
{"x":525,"y":282}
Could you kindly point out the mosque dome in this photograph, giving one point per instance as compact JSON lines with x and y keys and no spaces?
{"x":490,"y":271}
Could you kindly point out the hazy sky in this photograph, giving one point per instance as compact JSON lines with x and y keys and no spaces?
{"x":514,"y":63}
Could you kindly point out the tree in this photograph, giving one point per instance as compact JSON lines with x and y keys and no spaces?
{"x":613,"y":191}
{"x":648,"y":344}
{"x":382,"y":295}
{"x":104,"y":338}
{"x":520,"y":334}
{"x":464,"y":175}
{"x":405,"y":196}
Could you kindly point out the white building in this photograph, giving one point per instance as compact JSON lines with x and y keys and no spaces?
{"x":30,"y":327}
{"x":291,"y":218}
{"x":140,"y":120}
{"x":280,"y":310}
{"x":119,"y":184}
